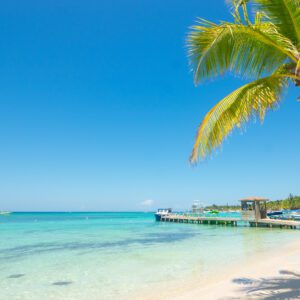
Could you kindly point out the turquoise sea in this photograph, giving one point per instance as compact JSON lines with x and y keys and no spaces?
{"x":113,"y":255}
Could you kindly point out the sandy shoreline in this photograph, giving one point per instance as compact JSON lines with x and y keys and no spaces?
{"x":272,"y":275}
{"x":268,"y":276}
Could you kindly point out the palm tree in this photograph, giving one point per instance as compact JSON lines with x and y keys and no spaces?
{"x":264,"y":48}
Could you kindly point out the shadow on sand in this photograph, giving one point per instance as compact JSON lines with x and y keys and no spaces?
{"x":284,"y":286}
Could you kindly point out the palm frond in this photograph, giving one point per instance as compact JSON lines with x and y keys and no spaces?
{"x":248,"y":102}
{"x":235,"y":6}
{"x":285,"y":14}
{"x":297,"y":69}
{"x":243,"y":49}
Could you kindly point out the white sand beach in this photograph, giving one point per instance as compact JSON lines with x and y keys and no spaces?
{"x":269,"y":276}
{"x":273,"y":275}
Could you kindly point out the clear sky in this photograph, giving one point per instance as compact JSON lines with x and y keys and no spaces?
{"x":98,"y":111}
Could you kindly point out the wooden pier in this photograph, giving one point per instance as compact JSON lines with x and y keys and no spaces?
{"x":270,"y":223}
{"x":199,"y":220}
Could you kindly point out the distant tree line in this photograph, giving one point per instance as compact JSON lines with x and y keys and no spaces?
{"x":223,"y":207}
{"x":292,"y":202}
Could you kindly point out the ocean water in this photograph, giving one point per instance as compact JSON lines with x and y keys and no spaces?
{"x":112,"y":255}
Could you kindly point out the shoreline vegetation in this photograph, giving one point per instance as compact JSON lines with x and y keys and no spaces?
{"x":290,"y":203}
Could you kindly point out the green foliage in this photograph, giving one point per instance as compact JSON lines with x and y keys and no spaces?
{"x":245,"y":50}
{"x":223,"y":207}
{"x":266,"y":50}
{"x":285,"y":14}
{"x":290,"y":203}
{"x":250,"y":101}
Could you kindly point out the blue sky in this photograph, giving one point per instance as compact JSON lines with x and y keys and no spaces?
{"x":98,"y":111}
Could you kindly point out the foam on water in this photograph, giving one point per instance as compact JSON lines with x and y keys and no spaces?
{"x":110,"y":255}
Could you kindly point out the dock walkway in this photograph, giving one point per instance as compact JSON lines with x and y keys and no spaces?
{"x":271,"y":223}
{"x":276,"y":223}
{"x":200,"y":220}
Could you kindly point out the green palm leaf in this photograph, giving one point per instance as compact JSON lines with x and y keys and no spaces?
{"x":285,"y":14}
{"x":250,"y":101}
{"x":266,"y":50}
{"x":246,"y":50}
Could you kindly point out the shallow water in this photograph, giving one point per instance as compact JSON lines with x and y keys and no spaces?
{"x":110,"y":255}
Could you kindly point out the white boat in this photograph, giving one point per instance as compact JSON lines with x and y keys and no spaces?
{"x":295,"y":215}
{"x":5,"y":213}
{"x":162,"y":212}
{"x":197,"y":208}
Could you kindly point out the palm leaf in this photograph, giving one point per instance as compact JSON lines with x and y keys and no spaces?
{"x":250,"y":101}
{"x":285,"y":14}
{"x":243,"y":49}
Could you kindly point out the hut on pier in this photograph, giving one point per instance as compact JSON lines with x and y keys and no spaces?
{"x":253,"y":208}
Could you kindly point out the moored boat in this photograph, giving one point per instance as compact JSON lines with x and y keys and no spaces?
{"x":275,"y":213}
{"x":213,"y":211}
{"x":2,"y":213}
{"x":295,"y":215}
{"x":197,"y":208}
{"x":161,"y":212}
